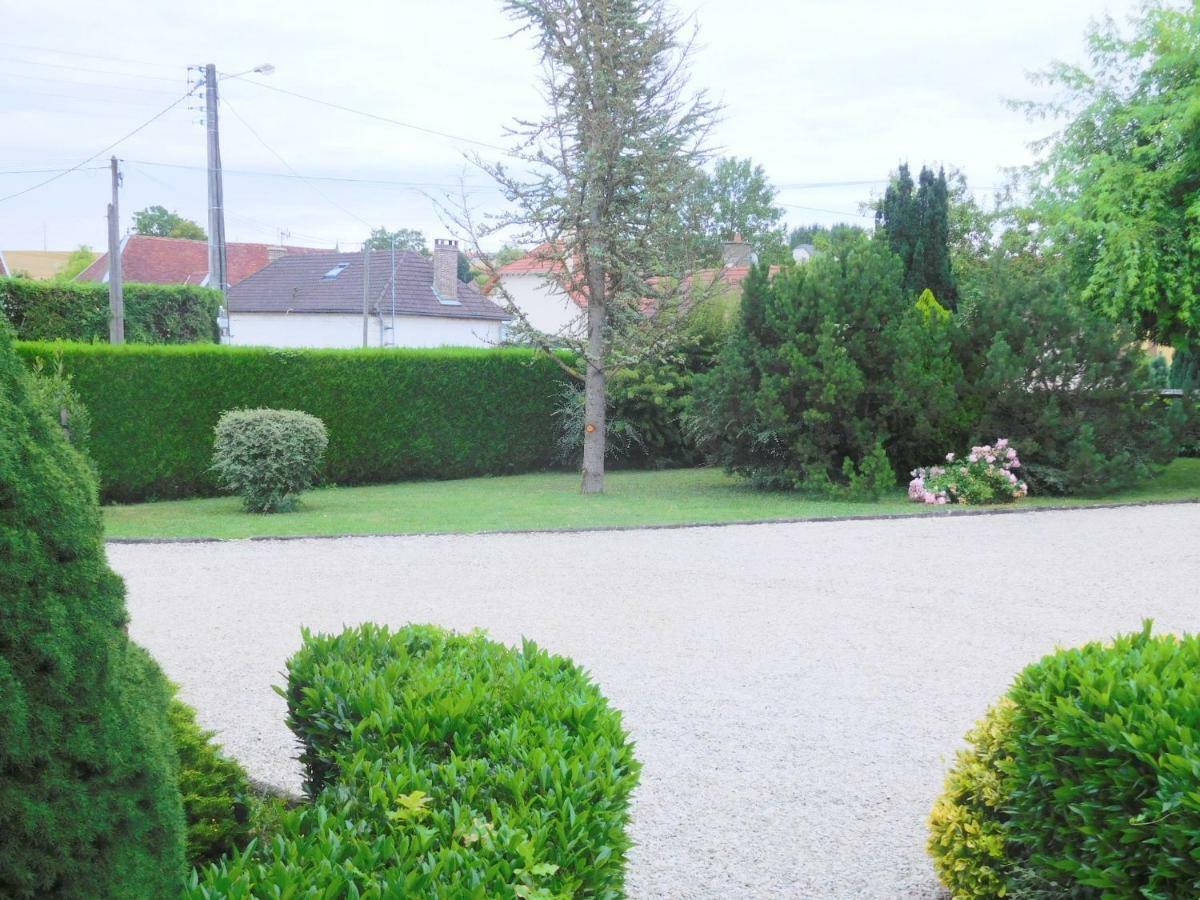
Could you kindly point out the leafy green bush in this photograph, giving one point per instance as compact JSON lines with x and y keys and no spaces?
{"x":443,"y":765}
{"x":268,"y":456}
{"x":88,"y":800}
{"x":828,"y":360}
{"x":52,"y":391}
{"x":987,"y":475}
{"x":1084,"y":781}
{"x":391,"y":414}
{"x":216,"y":793}
{"x":1062,"y":382}
{"x":78,"y":311}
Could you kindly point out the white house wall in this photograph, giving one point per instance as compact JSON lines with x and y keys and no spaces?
{"x":546,"y":307}
{"x":342,"y":330}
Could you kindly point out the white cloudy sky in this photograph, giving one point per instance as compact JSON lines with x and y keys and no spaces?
{"x":815,"y":90}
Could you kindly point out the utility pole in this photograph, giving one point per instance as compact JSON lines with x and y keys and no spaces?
{"x":116,"y":293}
{"x":366,"y":286}
{"x":218,"y":269}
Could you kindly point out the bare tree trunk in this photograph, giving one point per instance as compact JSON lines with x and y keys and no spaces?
{"x":594,"y":403}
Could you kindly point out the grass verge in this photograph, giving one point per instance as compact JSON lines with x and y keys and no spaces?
{"x":551,"y":500}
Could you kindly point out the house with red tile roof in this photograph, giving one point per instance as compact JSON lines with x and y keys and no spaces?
{"x":164,"y":260}
{"x":316,"y":300}
{"x":534,"y":284}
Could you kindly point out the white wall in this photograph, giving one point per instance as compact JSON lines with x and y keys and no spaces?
{"x":342,"y":330}
{"x":546,"y":307}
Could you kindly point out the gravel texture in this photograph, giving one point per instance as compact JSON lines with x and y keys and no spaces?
{"x":796,"y":691}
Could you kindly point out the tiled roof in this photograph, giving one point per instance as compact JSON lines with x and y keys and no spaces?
{"x":298,"y":284}
{"x":160,"y":260}
{"x":541,"y":260}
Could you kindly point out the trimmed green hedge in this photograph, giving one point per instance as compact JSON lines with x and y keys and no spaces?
{"x":444,"y":765}
{"x":391,"y":414}
{"x":78,"y":311}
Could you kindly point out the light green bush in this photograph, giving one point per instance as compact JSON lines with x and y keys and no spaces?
{"x":444,"y":765}
{"x":268,"y":456}
{"x":1085,"y":782}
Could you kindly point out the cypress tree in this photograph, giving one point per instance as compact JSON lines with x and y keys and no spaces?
{"x":917,"y":224}
{"x":88,"y":800}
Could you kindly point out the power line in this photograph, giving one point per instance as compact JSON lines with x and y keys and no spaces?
{"x":32,"y":62}
{"x":158,"y":115}
{"x":334,"y":178}
{"x":79,"y":82}
{"x":832,"y":212}
{"x":288,"y":165}
{"x":379,"y":118}
{"x":58,"y":52}
{"x":45,"y":171}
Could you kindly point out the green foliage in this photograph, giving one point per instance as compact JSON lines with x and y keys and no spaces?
{"x":987,"y":475}
{"x":409,"y":239}
{"x":871,"y":478}
{"x":78,"y":311}
{"x":81,"y":257}
{"x":1061,"y":382}
{"x":52,"y":391}
{"x":828,"y":360}
{"x":1085,"y":783}
{"x":88,"y":799}
{"x":929,"y":308}
{"x":1116,"y":189}
{"x":443,"y":765}
{"x":156,"y":221}
{"x":215,"y":790}
{"x":739,"y":199}
{"x":917,"y":226}
{"x":391,"y":414}
{"x":268,"y":456}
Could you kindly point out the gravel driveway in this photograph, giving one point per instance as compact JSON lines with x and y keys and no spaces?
{"x":795,"y":691}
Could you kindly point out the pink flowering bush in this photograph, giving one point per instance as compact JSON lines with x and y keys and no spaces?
{"x":988,"y":474}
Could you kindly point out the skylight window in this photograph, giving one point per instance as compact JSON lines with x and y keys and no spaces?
{"x":335,"y":271}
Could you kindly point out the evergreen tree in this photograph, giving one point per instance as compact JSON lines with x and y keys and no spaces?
{"x":88,"y":800}
{"x":917,"y":225}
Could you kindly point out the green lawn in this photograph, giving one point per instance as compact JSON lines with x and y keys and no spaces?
{"x":530,"y":502}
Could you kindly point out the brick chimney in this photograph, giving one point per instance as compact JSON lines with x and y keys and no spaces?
{"x":445,"y":268}
{"x":274,"y":252}
{"x":737,"y":252}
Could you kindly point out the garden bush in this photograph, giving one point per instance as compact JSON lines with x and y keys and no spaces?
{"x":88,"y":799}
{"x":52,"y":391}
{"x":391,"y":414}
{"x":217,"y":799}
{"x":829,"y":360}
{"x":444,"y":765}
{"x":1084,"y":781}
{"x":988,"y":474}
{"x":79,"y":311}
{"x":268,"y":456}
{"x":1062,"y":382}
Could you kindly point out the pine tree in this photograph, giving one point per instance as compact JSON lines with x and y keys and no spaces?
{"x":88,"y":801}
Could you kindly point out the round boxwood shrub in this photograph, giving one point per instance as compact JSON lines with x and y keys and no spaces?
{"x":268,"y":456}
{"x":443,"y":765}
{"x":88,"y":799}
{"x":1084,"y":781}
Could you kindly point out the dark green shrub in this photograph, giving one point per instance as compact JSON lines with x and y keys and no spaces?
{"x":78,"y":311}
{"x":217,"y":800}
{"x":268,"y":456}
{"x":88,"y":801}
{"x":1061,"y":382}
{"x":443,"y":765}
{"x":1084,"y":781}
{"x":829,"y":360}
{"x":391,"y":414}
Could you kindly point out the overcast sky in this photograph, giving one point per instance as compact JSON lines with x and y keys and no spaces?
{"x":814,"y":90}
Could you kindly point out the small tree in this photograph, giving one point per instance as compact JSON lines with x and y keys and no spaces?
{"x":407,"y":239}
{"x":88,"y":798}
{"x":917,"y":225}
{"x":739,"y":199}
{"x":156,"y":221}
{"x":600,"y":187}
